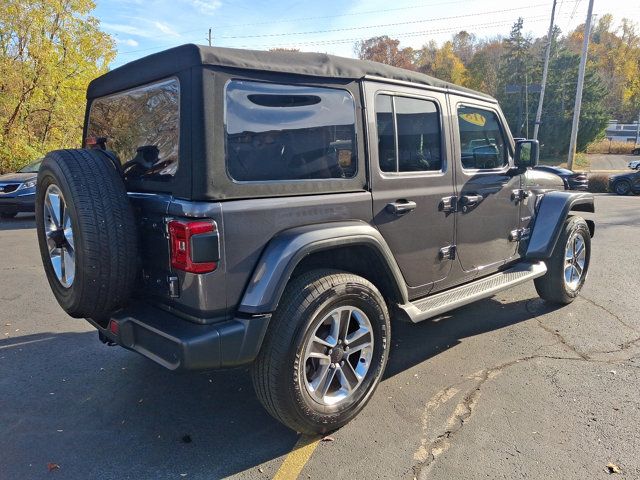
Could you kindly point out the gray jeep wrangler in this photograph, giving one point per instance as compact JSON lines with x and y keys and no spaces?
{"x":283,"y":210}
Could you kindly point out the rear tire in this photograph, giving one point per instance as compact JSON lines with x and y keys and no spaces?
{"x":562,"y":284}
{"x":293,"y":358}
{"x":85,"y":224}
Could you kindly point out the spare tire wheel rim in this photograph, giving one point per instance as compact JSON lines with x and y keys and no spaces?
{"x":59,"y":235}
{"x":575,"y":259}
{"x":338,"y":355}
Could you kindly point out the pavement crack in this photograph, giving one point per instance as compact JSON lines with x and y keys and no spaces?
{"x":562,"y":340}
{"x":614,"y":315}
{"x":429,"y":451}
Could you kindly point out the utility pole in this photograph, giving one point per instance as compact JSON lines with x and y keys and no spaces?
{"x":545,"y":71}
{"x":578,"y":104}
{"x":638,"y":130}
{"x":209,"y":36}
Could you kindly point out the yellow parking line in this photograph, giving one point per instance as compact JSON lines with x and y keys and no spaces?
{"x":297,"y":458}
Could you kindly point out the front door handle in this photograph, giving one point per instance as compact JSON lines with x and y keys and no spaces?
{"x":470,"y":201}
{"x":401,"y":207}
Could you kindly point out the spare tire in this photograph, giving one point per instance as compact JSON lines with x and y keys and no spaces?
{"x":86,"y":232}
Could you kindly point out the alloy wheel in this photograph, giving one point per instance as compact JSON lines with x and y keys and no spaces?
{"x":59,"y":235}
{"x":575,"y":258}
{"x":338,"y":355}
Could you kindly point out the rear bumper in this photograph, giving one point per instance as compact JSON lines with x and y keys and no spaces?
{"x":178,"y":344}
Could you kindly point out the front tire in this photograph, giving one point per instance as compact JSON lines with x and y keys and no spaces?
{"x":622,"y":187}
{"x":324,"y":353}
{"x":568,"y":265}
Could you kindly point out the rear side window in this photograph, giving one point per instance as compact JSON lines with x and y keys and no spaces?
{"x":142,"y":126}
{"x":287,"y":132}
{"x":409,"y":138}
{"x":482,"y":142}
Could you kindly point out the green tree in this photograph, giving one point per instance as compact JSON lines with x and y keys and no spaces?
{"x":484,"y":67}
{"x":49,"y":51}
{"x":557,"y":113}
{"x":513,"y":77}
{"x":615,"y":53}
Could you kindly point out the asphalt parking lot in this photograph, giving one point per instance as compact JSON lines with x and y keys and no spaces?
{"x":505,"y":388}
{"x":610,"y":162}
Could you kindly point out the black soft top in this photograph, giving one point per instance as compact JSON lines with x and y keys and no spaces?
{"x":168,"y":62}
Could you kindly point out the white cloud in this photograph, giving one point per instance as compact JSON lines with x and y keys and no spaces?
{"x":206,"y":7}
{"x":150,"y":32}
{"x":123,"y":28}
{"x":129,"y":42}
{"x":166,"y":29}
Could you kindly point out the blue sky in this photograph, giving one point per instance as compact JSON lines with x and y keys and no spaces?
{"x":332,"y":26}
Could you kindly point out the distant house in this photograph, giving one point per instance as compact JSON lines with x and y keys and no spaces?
{"x":622,"y":132}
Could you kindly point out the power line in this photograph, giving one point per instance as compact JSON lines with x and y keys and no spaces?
{"x":364,"y":27}
{"x":399,"y":35}
{"x":535,"y":19}
{"x":302,"y":19}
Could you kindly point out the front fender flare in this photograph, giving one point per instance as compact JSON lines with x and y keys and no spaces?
{"x":550,"y":217}
{"x":288,"y":248}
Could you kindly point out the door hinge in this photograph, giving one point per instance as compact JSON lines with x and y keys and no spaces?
{"x":448,"y":204}
{"x":519,"y":195}
{"x":448,"y":252}
{"x":519,"y":234}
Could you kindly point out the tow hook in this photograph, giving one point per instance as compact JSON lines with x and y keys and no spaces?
{"x":106,"y":340}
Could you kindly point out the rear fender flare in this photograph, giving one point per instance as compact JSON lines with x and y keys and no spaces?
{"x":283,"y":253}
{"x":550,"y":217}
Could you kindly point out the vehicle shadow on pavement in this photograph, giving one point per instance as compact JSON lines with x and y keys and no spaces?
{"x":412,"y":344}
{"x":103,"y":412}
{"x":23,"y":221}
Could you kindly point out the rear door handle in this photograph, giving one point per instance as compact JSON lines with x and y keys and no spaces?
{"x":470,"y":201}
{"x":401,"y":207}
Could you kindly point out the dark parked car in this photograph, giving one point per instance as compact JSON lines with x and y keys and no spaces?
{"x":625,"y":183}
{"x":572,"y":180}
{"x":18,"y":191}
{"x":286,"y":209}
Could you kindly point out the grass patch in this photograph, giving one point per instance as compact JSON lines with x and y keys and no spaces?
{"x":606,"y":146}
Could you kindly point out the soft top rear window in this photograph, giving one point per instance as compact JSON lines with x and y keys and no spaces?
{"x":280,"y":132}
{"x":142,"y":127}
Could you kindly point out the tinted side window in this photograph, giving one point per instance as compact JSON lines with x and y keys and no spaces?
{"x":386,"y":134}
{"x":287,"y":132}
{"x":482,"y":142}
{"x":142,"y":127}
{"x":409,"y":138}
{"x":418,"y":126}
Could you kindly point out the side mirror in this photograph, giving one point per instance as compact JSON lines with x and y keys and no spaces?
{"x":527,"y":154}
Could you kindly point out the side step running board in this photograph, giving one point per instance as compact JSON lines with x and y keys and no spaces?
{"x":439,"y":303}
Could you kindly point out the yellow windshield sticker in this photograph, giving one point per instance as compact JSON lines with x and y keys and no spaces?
{"x":474,"y":118}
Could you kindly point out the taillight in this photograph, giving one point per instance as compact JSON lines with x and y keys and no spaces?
{"x":184,"y":255}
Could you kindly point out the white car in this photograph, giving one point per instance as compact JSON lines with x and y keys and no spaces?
{"x":634,"y":165}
